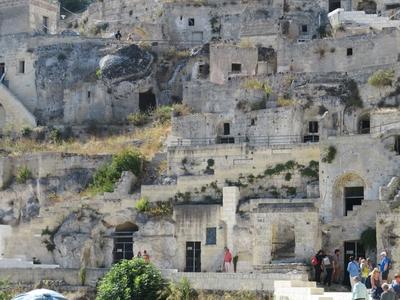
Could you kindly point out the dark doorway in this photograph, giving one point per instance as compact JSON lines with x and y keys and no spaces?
{"x":236,"y":68}
{"x":123,"y":241}
{"x":397,"y":144}
{"x":2,"y":69}
{"x":364,"y":125}
{"x":368,"y":6}
{"x":353,"y":196}
{"x":354,"y":249}
{"x":147,"y":101}
{"x":193,"y":257}
{"x":334,"y":4}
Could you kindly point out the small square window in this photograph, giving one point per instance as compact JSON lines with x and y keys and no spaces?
{"x":21,"y":67}
{"x":211,"y":236}
{"x":253,"y":122}
{"x":349,"y":51}
{"x":304,"y":28}
{"x":236,"y":67}
{"x":191,"y":21}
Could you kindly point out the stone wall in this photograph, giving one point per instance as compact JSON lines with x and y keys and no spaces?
{"x":14,"y":16}
{"x":340,"y":55}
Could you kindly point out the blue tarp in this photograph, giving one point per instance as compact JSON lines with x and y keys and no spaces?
{"x":41,"y":294}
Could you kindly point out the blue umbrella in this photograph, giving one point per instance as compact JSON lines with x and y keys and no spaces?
{"x":41,"y":294}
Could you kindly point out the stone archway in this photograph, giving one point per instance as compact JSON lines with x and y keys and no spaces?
{"x":348,"y":191}
{"x":123,"y":241}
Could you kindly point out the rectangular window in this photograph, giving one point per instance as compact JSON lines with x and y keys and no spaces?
{"x":304,"y":28}
{"x":227,"y":129}
{"x":89,"y":94}
{"x":21,"y":67}
{"x":349,"y":51}
{"x":211,"y":236}
{"x":45,"y":24}
{"x":313,"y":127}
{"x":236,"y":68}
{"x":191,"y":21}
{"x":353,"y":197}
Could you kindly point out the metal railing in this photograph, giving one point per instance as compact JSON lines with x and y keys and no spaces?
{"x":251,"y":140}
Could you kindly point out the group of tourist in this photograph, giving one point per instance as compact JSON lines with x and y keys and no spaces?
{"x":367,"y":280}
{"x":329,"y":264}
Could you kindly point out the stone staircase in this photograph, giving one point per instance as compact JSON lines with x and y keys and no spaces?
{"x":304,"y":290}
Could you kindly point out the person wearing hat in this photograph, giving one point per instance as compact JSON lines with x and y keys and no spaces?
{"x":395,"y":286}
{"x":384,"y":266}
{"x":359,"y":291}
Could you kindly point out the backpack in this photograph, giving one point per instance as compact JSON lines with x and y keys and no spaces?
{"x":368,"y":282}
{"x":314,"y":261}
{"x":326,"y":261}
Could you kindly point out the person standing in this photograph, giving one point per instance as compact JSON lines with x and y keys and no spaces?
{"x":387,"y":293}
{"x":364,"y":270}
{"x":327,"y":264}
{"x":359,"y":291}
{"x":336,"y":266}
{"x":376,"y":284}
{"x":316,"y":261}
{"x":227,"y":260}
{"x":395,"y":286}
{"x":384,"y":266}
{"x":353,"y":269}
{"x":146,"y":256}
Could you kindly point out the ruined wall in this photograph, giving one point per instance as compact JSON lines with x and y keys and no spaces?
{"x":333,"y":55}
{"x":14,"y":16}
{"x":353,"y":166}
{"x":222,"y":58}
{"x":39,"y":9}
{"x":191,"y":224}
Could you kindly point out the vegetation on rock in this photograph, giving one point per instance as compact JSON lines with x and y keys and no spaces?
{"x":381,"y":78}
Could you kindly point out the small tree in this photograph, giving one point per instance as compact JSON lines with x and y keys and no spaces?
{"x":381,"y":78}
{"x":131,"y":279}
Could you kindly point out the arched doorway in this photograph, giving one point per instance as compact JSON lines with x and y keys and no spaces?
{"x":147,"y":101}
{"x":283,"y":242}
{"x":348,"y":192}
{"x":123,"y":241}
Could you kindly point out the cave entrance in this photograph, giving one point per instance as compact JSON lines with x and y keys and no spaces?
{"x":147,"y":101}
{"x":123,"y":241}
{"x":368,"y":6}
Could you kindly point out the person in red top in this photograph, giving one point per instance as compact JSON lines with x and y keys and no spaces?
{"x":227,"y":260}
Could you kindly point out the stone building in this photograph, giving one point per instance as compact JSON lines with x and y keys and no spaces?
{"x":29,"y":16}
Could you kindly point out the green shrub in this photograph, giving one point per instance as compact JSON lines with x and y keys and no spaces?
{"x":138,"y":119}
{"x":26,"y":132}
{"x":178,"y":291}
{"x":99,"y":73}
{"x":163,"y":114}
{"x":329,"y":155}
{"x":143,"y":204}
{"x":82,"y":275}
{"x":131,"y":279}
{"x":23,"y":174}
{"x":107,"y":175}
{"x":55,"y":136}
{"x":381,"y":78}
{"x":5,"y":294}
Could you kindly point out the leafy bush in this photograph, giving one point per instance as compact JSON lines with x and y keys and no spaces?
{"x":26,"y":132}
{"x":254,"y":84}
{"x":143,"y":204}
{"x":312,"y":170}
{"x":131,"y":279}
{"x":23,"y":174}
{"x":82,"y":275}
{"x":178,"y":291}
{"x":282,"y":102}
{"x":163,"y":114}
{"x":288,"y":176}
{"x":99,"y":73}
{"x":138,"y":119}
{"x":381,"y":78}
{"x":329,"y":155}
{"x":107,"y":175}
{"x":180,"y":110}
{"x":55,"y":136}
{"x":5,"y":294}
